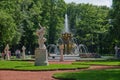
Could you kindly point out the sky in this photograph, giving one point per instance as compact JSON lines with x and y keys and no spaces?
{"x":94,"y":2}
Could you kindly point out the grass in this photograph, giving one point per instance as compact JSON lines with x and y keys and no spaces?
{"x":25,"y":65}
{"x":112,"y":74}
{"x":109,"y":63}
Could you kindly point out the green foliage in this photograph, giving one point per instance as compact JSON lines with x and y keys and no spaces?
{"x":112,"y":74}
{"x":25,"y":15}
{"x":19,"y":21}
{"x":115,"y":19}
{"x":56,"y":19}
{"x":109,"y":63}
{"x":30,"y":18}
{"x":89,"y":23}
{"x":8,"y":28}
{"x":23,"y":65}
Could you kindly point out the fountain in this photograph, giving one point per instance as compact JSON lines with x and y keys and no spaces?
{"x":67,"y":38}
{"x":69,"y":45}
{"x":66,"y":29}
{"x":79,"y":49}
{"x":53,"y":50}
{"x":72,"y":47}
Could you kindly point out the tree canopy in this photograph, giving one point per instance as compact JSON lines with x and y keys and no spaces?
{"x":19,"y":21}
{"x":90,"y":24}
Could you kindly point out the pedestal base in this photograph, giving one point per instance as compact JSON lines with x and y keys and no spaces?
{"x":23,"y":56}
{"x":41,"y":57}
{"x":61,"y":55}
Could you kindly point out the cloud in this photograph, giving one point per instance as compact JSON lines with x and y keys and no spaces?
{"x":94,"y":2}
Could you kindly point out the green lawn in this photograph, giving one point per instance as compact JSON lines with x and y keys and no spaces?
{"x":25,"y":65}
{"x":109,"y":63}
{"x":112,"y":74}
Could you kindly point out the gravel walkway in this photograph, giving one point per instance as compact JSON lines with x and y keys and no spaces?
{"x":40,"y":75}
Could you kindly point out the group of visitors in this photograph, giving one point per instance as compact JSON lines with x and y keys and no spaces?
{"x":17,"y":53}
{"x":7,"y":54}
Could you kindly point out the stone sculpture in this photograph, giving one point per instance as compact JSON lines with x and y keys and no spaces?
{"x":41,"y":40}
{"x":23,"y":52}
{"x":41,"y":54}
{"x":7,"y":52}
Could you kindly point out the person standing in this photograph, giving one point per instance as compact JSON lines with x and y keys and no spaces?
{"x":3,"y":55}
{"x":17,"y":52}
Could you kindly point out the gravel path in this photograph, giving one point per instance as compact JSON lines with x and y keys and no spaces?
{"x":40,"y":75}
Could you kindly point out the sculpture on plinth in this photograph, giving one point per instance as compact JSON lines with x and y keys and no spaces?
{"x":41,"y":54}
{"x":41,"y":40}
{"x":7,"y":52}
{"x":23,"y":52}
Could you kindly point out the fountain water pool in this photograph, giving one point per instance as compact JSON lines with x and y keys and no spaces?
{"x":71,"y":47}
{"x":81,"y":48}
{"x":53,"y":49}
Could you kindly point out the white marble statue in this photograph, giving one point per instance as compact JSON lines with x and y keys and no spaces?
{"x":41,"y":55}
{"x":7,"y":52}
{"x":41,"y":40}
{"x":23,"y":52}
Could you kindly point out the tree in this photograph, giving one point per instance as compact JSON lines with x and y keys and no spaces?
{"x":114,"y":33}
{"x":56,"y":21}
{"x":7,"y":28}
{"x":89,"y":22}
{"x":24,"y":17}
{"x":30,"y":13}
{"x":9,"y":31}
{"x":115,"y":19}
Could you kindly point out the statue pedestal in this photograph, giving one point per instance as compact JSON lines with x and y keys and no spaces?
{"x":61,"y":55}
{"x":61,"y":52}
{"x":41,"y":57}
{"x":7,"y":56}
{"x":23,"y":55}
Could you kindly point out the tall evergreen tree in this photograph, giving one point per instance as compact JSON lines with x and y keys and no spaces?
{"x":115,"y":21}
